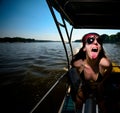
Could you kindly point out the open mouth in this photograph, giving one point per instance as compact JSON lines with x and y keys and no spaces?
{"x":94,"y":53}
{"x":94,"y":50}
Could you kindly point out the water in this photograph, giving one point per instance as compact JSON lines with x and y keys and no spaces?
{"x":113,"y":52}
{"x":28,"y":70}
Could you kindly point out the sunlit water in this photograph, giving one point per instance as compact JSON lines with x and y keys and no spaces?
{"x":28,"y":70}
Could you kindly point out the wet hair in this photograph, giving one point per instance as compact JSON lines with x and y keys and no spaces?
{"x":82,"y":54}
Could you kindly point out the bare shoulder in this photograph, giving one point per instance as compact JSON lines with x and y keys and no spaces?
{"x":78,"y":63}
{"x":105,"y":62}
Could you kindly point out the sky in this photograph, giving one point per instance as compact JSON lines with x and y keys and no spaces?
{"x":32,"y":19}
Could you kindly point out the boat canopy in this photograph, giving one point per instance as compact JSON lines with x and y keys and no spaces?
{"x":85,"y":14}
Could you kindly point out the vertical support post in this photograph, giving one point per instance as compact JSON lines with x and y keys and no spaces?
{"x":60,"y":33}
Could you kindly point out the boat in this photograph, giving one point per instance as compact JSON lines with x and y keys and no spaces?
{"x":81,"y":14}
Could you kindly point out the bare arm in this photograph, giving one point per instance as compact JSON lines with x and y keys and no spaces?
{"x":106,"y":69}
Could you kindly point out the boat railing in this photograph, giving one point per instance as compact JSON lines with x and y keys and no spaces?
{"x":34,"y":109}
{"x":90,"y":105}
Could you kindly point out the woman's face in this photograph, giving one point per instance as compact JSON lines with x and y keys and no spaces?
{"x":93,"y":47}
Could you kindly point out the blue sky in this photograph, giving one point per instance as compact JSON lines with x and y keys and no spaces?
{"x":32,"y":19}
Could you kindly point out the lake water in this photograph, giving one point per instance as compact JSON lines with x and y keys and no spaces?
{"x":28,"y":70}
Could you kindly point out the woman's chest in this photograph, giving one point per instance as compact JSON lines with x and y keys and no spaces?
{"x":91,"y":73}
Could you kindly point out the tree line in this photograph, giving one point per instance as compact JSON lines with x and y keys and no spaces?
{"x":16,"y":39}
{"x":114,"y":38}
{"x":111,"y":39}
{"x":19,"y":39}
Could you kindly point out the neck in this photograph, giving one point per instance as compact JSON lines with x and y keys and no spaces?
{"x":92,"y":62}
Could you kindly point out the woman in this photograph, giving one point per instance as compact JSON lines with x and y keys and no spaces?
{"x":93,"y":67}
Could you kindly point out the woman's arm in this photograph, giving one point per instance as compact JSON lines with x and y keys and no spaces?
{"x":105,"y":69}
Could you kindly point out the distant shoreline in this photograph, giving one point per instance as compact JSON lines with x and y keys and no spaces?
{"x":19,"y":39}
{"x":105,"y":38}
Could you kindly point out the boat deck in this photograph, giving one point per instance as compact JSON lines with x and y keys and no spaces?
{"x":68,"y":106}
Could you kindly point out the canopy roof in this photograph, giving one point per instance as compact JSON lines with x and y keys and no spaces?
{"x":97,"y":14}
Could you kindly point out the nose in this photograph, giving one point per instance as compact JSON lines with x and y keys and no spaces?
{"x":95,"y":41}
